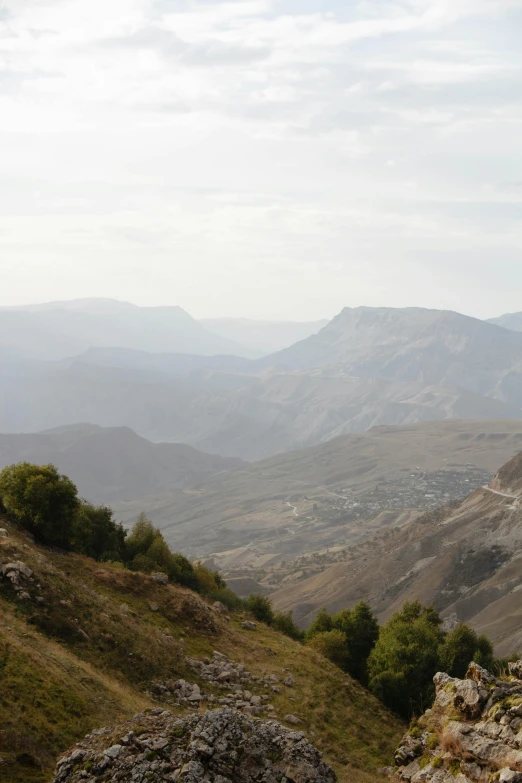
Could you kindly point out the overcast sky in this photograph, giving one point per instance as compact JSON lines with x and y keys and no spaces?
{"x":262,"y":158}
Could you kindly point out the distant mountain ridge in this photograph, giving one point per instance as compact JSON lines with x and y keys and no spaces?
{"x":511,"y":321}
{"x":113,"y":464}
{"x":58,"y":330}
{"x":415,"y":345}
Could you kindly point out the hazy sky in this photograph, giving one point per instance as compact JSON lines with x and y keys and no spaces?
{"x":265,"y":158}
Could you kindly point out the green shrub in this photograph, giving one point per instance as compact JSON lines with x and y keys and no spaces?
{"x":261,"y":608}
{"x":331,"y":644}
{"x":41,"y":500}
{"x":284,"y":622}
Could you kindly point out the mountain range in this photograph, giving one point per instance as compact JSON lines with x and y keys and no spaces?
{"x":467,"y":561}
{"x":113,"y":464}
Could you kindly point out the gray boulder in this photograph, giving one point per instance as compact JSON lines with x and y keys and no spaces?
{"x":223,"y":746}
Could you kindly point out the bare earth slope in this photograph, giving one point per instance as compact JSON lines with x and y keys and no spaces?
{"x":467,"y":561}
{"x":328,"y":495}
{"x":113,"y":464}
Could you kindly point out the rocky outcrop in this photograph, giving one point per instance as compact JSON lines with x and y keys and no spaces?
{"x":472,"y":734}
{"x":222,"y":746}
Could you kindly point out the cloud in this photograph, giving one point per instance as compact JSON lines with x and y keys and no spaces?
{"x":295,"y":156}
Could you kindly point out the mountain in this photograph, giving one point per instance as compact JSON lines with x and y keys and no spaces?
{"x":511,"y":321}
{"x":332,"y":495}
{"x":229,"y":413}
{"x":86,"y":644}
{"x":113,"y":464}
{"x":263,"y":337}
{"x":467,"y":561}
{"x":414,"y":345}
{"x":61,"y":329}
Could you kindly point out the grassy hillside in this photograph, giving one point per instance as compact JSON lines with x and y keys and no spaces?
{"x":82,"y":648}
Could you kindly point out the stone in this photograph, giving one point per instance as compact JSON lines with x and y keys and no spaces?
{"x":289,"y":681}
{"x":18,"y":567}
{"x":515,"y":669}
{"x":153,"y":607}
{"x":249,"y":625}
{"x":160,"y":578}
{"x":219,"y":607}
{"x":221,"y":746}
{"x":3,"y":533}
{"x":509,"y":776}
{"x":293,"y":719}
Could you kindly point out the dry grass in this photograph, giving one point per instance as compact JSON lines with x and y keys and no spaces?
{"x":85,"y":657}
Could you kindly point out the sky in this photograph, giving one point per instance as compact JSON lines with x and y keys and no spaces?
{"x":262,"y":158}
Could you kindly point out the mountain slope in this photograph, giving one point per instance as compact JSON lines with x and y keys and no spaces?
{"x":467,"y":561}
{"x":113,"y":464}
{"x":61,"y":329}
{"x":263,"y":337}
{"x":511,"y":321}
{"x":232,"y":414}
{"x":329,"y":495}
{"x":92,"y":644}
{"x":414,"y":345}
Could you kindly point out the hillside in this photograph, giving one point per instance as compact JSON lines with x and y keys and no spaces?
{"x":467,"y":561}
{"x":88,"y":644}
{"x":414,"y":345}
{"x":330,"y":495}
{"x":511,"y":321}
{"x":61,"y":329}
{"x":113,"y":464}
{"x":263,"y":337}
{"x":221,"y":412}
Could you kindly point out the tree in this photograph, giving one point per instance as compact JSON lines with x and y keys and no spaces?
{"x":323,"y":622}
{"x":460,"y":647}
{"x":361,"y":629}
{"x":96,"y":534}
{"x":406,"y":657}
{"x":41,"y":500}
{"x":261,"y":608}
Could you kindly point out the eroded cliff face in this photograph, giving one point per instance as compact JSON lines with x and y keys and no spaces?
{"x":222,"y":745}
{"x":472,"y":734}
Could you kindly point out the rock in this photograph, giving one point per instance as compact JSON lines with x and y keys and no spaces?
{"x":249,"y":625}
{"x":18,"y":568}
{"x":220,"y":746}
{"x":479,"y":675}
{"x":160,"y":578}
{"x":289,"y":681}
{"x":515,"y":669}
{"x":219,"y":607}
{"x":153,"y":607}
{"x":468,"y":736}
{"x":3,"y":533}
{"x":293,"y":719}
{"x":23,"y":596}
{"x":509,"y":776}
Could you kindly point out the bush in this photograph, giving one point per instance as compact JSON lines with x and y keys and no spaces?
{"x":331,"y":644}
{"x":41,"y":500}
{"x":284,"y":622}
{"x":228,"y":598}
{"x":261,"y":608}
